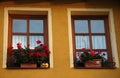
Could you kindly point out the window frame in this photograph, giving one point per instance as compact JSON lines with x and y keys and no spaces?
{"x":93,"y":11}
{"x":90,"y":34}
{"x":27,"y":33}
{"x":28,"y":17}
{"x":27,"y":11}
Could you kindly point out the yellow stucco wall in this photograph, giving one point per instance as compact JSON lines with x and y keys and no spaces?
{"x":61,"y":60}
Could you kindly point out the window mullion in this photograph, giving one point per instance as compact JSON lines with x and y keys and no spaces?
{"x":89,"y":32}
{"x":44,"y":30}
{"x":28,"y":27}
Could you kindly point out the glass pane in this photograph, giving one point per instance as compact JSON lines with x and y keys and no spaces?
{"x":36,"y":26}
{"x":98,"y":42}
{"x":33,"y":40}
{"x":19,"y":25}
{"x":97,"y":26}
{"x":19,"y":39}
{"x":81,"y":26}
{"x":82,"y":42}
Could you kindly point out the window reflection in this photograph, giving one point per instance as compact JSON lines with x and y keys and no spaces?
{"x":81,"y":26}
{"x":97,"y":26}
{"x":36,"y":26}
{"x":19,"y":25}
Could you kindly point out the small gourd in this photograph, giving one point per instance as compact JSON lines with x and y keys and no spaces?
{"x":44,"y":65}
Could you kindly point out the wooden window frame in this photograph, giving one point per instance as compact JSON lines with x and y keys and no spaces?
{"x":27,"y":33}
{"x":106,"y":34}
{"x":43,"y":17}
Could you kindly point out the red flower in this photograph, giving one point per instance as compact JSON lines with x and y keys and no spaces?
{"x":41,"y":44}
{"x":37,"y":54}
{"x":10,"y":47}
{"x":92,"y":53}
{"x":36,"y":48}
{"x":19,"y":45}
{"x":31,"y":54}
{"x":26,"y":55}
{"x":83,"y":48}
{"x":43,"y":54}
{"x":48,"y":51}
{"x":38,"y":41}
{"x":44,"y":47}
{"x":90,"y":49}
{"x":99,"y":52}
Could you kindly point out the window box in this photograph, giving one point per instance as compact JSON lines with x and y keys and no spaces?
{"x":95,"y":63}
{"x":104,"y":65}
{"x":28,"y":65}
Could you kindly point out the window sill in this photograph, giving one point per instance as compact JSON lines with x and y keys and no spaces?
{"x":95,"y":68}
{"x":26,"y":68}
{"x":103,"y":65}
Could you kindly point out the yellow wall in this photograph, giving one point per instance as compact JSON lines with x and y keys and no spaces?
{"x":61,"y":58}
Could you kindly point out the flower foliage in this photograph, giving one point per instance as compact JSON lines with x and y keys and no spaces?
{"x":37,"y":55}
{"x":89,"y":54}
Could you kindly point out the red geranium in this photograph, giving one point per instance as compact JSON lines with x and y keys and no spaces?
{"x":26,"y":55}
{"x":89,"y":54}
{"x":19,"y":45}
{"x":43,"y":54}
{"x":38,"y":41}
{"x":31,"y":54}
{"x":92,"y":53}
{"x":37,"y":54}
{"x":83,"y":48}
{"x":10,"y":47}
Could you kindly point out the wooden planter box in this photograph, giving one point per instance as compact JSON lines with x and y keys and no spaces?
{"x":27,"y":65}
{"x":95,"y":63}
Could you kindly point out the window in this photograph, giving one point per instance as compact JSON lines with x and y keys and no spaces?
{"x":27,"y":29}
{"x":91,"y":32}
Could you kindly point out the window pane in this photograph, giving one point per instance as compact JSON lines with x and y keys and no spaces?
{"x":81,"y":26}
{"x":19,"y":39}
{"x":98,"y":42}
{"x":33,"y":40}
{"x":97,"y":26}
{"x":36,"y":26}
{"x":82,"y":42}
{"x":19,"y":25}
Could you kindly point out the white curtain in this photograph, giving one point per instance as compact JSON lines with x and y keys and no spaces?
{"x":33,"y":40}
{"x":82,"y":42}
{"x":19,"y":39}
{"x":98,"y":42}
